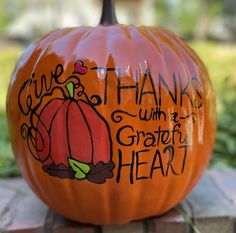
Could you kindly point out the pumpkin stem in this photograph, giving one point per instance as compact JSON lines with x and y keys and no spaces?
{"x":70,"y":88}
{"x":108,"y":13}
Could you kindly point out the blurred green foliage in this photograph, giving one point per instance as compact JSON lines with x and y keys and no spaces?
{"x":7,"y":162}
{"x":8,"y":12}
{"x":220,"y":60}
{"x":4,"y":16}
{"x":8,"y":57}
{"x":225,"y":148}
{"x":193,"y":19}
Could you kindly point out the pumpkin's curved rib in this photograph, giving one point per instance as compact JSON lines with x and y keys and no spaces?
{"x":80,"y":144}
{"x":127,"y":33}
{"x":198,"y":62}
{"x":88,"y":111}
{"x":42,"y":141}
{"x":67,"y":131}
{"x":59,"y":143}
{"x":72,"y":38}
{"x":44,"y":50}
{"x":54,"y":115}
{"x":168,"y":42}
{"x":129,"y":38}
{"x":194,"y":57}
{"x":172,"y":185}
{"x":145,"y":33}
{"x":79,"y":44}
{"x":46,"y":116}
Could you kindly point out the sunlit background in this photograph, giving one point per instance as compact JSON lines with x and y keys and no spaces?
{"x":209,"y":26}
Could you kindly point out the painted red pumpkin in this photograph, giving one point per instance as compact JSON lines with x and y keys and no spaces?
{"x":70,"y":135}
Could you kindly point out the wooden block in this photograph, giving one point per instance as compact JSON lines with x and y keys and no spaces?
{"x":212,"y":210}
{"x":226,"y":181}
{"x":172,"y":221}
{"x":62,"y":225}
{"x":208,"y":200}
{"x":18,"y":184}
{"x":75,"y":230}
{"x":215,"y":225}
{"x":133,"y":227}
{"x":6,"y":195}
{"x":27,"y":213}
{"x":24,"y":212}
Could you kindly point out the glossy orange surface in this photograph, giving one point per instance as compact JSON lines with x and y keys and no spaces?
{"x":146,"y":101}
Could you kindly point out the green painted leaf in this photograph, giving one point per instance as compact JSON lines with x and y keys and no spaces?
{"x":81,"y":169}
{"x":70,"y":88}
{"x":80,"y":175}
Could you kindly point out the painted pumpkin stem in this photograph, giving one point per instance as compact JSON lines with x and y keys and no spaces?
{"x":108,"y":13}
{"x":70,"y":88}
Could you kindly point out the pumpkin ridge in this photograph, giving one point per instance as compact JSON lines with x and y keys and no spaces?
{"x":42,"y":140}
{"x":67,"y":103}
{"x":46,"y":48}
{"x":46,"y":129}
{"x":54,"y":116}
{"x":144,"y":32}
{"x":83,"y":37}
{"x":79,"y":136}
{"x":166,"y":40}
{"x":67,"y":127}
{"x":101,"y":117}
{"x":45,"y":108}
{"x":179,"y":49}
{"x":189,"y":51}
{"x":89,"y":129}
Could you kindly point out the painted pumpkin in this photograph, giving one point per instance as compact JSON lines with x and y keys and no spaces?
{"x":111,"y":124}
{"x":73,"y":154}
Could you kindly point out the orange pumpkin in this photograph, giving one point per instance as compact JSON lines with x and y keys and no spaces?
{"x":113,"y":123}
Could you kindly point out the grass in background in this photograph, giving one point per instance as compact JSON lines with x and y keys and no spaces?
{"x":220,"y":59}
{"x":8,"y":58}
{"x":221,"y":62}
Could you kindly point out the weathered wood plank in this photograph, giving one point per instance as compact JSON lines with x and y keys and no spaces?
{"x":213,"y":211}
{"x":24,"y":211}
{"x":6,"y":195}
{"x":17,"y":184}
{"x":6,"y":198}
{"x":133,"y":227}
{"x":62,"y":225}
{"x":172,"y":221}
{"x":226,"y":181}
{"x":215,"y":225}
{"x":29,"y":213}
{"x":208,"y":200}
